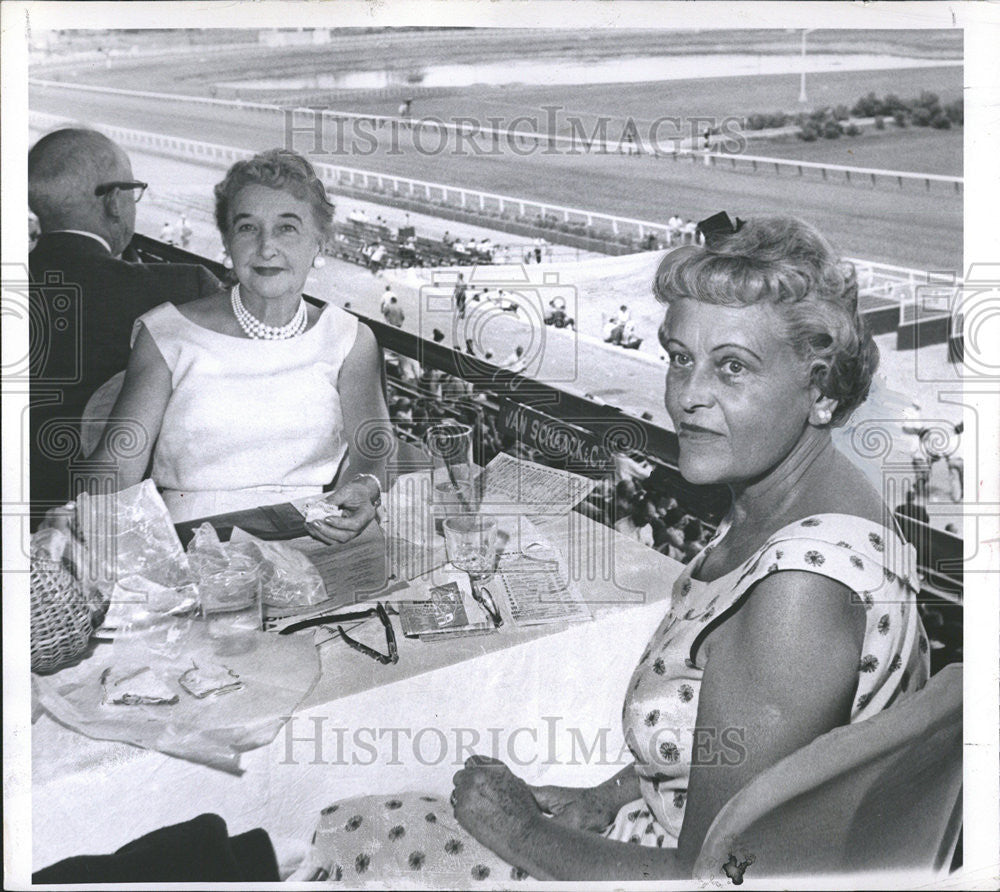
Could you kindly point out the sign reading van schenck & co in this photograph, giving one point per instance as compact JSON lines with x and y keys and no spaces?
{"x":558,"y":443}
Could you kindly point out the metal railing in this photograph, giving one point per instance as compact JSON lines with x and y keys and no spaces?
{"x":604,"y":427}
{"x":873,"y":276}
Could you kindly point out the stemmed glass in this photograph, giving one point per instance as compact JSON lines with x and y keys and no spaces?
{"x":471,"y":541}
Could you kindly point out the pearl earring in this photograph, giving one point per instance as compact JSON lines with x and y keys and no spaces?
{"x":319,"y":261}
{"x":227,"y":262}
{"x":823,"y":416}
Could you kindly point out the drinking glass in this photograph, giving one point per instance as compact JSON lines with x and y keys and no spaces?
{"x":453,"y":473}
{"x":471,"y":541}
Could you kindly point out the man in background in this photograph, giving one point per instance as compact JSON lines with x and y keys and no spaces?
{"x":84,"y":298}
{"x":392,"y":312}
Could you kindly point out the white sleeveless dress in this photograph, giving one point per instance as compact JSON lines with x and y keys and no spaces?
{"x":249,"y":422}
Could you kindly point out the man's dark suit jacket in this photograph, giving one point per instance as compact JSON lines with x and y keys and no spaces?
{"x":83,"y":305}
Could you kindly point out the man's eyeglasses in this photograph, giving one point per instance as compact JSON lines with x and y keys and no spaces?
{"x":136,"y":187}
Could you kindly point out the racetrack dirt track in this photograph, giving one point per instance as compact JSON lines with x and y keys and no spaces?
{"x":908,"y":227}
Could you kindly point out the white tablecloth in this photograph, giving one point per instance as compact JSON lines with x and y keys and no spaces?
{"x":547,"y":702}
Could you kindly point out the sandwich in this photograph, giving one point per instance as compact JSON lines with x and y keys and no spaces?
{"x":209,"y":678}
{"x":134,"y":686}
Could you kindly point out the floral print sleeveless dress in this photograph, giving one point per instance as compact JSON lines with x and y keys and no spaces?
{"x":413,"y":841}
{"x":661,"y":703}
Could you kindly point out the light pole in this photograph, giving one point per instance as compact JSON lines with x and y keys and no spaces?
{"x":802,"y":82}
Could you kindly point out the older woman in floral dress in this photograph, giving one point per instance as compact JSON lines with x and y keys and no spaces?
{"x":797,"y":618}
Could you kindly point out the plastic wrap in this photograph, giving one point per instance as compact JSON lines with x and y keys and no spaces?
{"x":172,"y":689}
{"x":288,"y":577}
{"x":131,"y":554}
{"x":228,"y":575}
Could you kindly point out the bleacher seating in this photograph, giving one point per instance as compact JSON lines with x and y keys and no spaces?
{"x":351,"y":238}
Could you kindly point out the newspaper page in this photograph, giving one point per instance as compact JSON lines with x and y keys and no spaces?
{"x":709,"y":240}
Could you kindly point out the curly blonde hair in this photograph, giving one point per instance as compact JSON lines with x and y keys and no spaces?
{"x":785,"y":262}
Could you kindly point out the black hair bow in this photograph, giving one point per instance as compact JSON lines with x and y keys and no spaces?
{"x":719,"y":224}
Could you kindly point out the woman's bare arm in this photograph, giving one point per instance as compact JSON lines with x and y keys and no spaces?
{"x":366,"y":417}
{"x":779,"y":673}
{"x":134,"y":423}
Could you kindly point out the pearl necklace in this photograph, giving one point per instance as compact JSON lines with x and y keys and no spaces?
{"x":257,"y":330}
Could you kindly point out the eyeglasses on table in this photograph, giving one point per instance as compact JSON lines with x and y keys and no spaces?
{"x":380,"y":610}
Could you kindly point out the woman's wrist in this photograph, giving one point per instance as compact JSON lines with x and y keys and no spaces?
{"x":373,"y":484}
{"x":621,"y":789}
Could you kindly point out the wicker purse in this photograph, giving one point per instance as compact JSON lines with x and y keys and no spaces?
{"x":62,"y":616}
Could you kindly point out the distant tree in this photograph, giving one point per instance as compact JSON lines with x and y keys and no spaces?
{"x":879,"y":122}
{"x":832,"y":130}
{"x":808,"y":133}
{"x":955,"y":111}
{"x":841,"y":113}
{"x":892,"y":104}
{"x":899,"y":119}
{"x":927,"y":100}
{"x":941,"y":121}
{"x":921,"y":116}
{"x":853,"y":129}
{"x":867,"y":106}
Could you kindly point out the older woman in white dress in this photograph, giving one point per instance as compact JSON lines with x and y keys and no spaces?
{"x":253,"y":395}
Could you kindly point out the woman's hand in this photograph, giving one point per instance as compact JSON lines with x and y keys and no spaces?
{"x":582,"y":808}
{"x":62,"y":519}
{"x":357,"y":505}
{"x":496,"y":807}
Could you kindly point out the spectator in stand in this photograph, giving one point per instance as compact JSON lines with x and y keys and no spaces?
{"x":626,"y":468}
{"x":82,"y":191}
{"x":458,"y":295}
{"x":690,"y":232}
{"x":358,"y":217}
{"x":409,"y":369}
{"x":167,"y":235}
{"x":614,"y":327}
{"x":673,"y":540}
{"x":391,"y":309}
{"x":401,"y":410}
{"x":376,"y":258}
{"x":692,"y":538}
{"x":539,"y":247}
{"x":447,"y":239}
{"x":636,"y":524}
{"x":557,"y":314}
{"x":515,"y":361}
{"x":629,"y":340}
{"x":184,"y":231}
{"x":486,"y":250}
{"x":674,"y":226}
